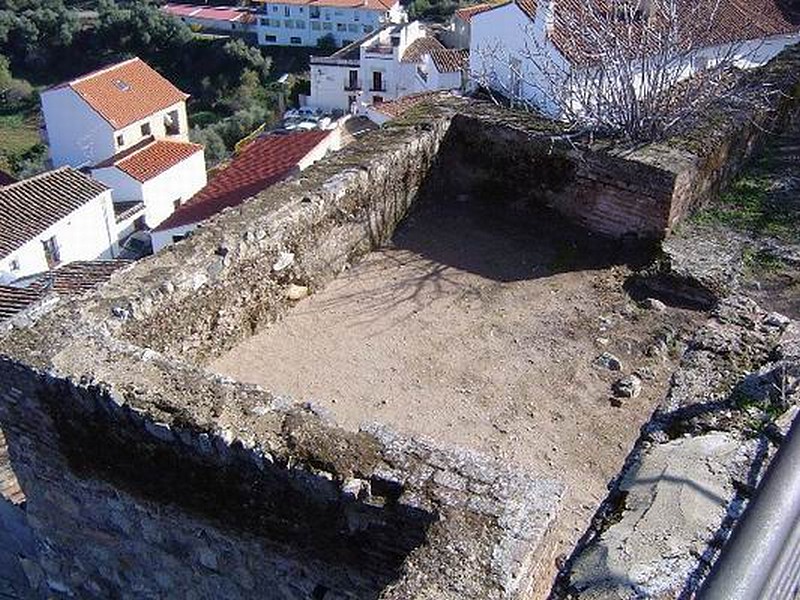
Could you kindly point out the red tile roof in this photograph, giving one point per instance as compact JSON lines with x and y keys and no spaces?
{"x":266,"y":161}
{"x":449,"y":60}
{"x":151,"y":158}
{"x":420,"y":47}
{"x":70,"y":280}
{"x":227,"y":14}
{"x":126,"y":92}
{"x":30,"y":206}
{"x":466,"y":13}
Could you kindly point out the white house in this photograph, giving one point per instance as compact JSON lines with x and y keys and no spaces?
{"x":152,"y":179}
{"x":265,"y":161}
{"x":54,"y":218}
{"x":233,"y":19}
{"x":504,"y":38}
{"x":397,"y":61}
{"x":459,"y":31}
{"x":305,"y":22}
{"x":98,"y":115}
{"x":127,"y":126}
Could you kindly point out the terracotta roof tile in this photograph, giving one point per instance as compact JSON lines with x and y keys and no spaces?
{"x":126,"y":92}
{"x":150,"y":158}
{"x":226,"y":14}
{"x":449,"y":60}
{"x":419,"y":47}
{"x":70,"y":280}
{"x":264,"y":162}
{"x":30,"y":206}
{"x":466,"y":13}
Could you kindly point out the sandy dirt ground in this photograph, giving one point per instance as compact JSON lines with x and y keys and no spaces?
{"x":479,"y":327}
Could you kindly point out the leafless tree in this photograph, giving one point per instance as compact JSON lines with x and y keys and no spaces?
{"x":634,"y":68}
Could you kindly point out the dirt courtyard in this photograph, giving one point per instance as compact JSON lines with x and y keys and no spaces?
{"x":480,"y":326}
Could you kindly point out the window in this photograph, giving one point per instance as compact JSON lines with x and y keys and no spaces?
{"x":120,"y":140}
{"x":178,"y":238}
{"x":351,"y":100}
{"x":352,"y":79}
{"x":341,"y":27}
{"x":52,"y":254}
{"x":377,"y":82}
{"x":264,"y":22}
{"x":15,"y":264}
{"x":327,"y":26}
{"x":313,"y":12}
{"x":368,"y":28}
{"x":145,"y":129}
{"x":377,"y":99}
{"x":270,"y":39}
{"x":295,"y":40}
{"x":353,"y":28}
{"x":315,"y":25}
{"x":171,"y":123}
{"x":289,"y":24}
{"x":356,"y":16}
{"x":274,"y":9}
{"x":300,"y":24}
{"x":286,"y":11}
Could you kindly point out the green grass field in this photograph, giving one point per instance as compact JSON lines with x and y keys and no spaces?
{"x":19,"y":135}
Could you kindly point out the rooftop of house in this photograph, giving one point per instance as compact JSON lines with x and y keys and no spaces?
{"x":466,"y":13}
{"x":150,"y":158}
{"x":267,"y":160}
{"x":728,"y":21}
{"x":68,"y":280}
{"x":449,"y":60}
{"x":355,"y":4}
{"x":126,"y":92}
{"x":420,"y":47}
{"x":30,"y":206}
{"x":228,"y":14}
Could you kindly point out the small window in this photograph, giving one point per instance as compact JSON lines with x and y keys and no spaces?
{"x":178,"y":238}
{"x":52,"y":253}
{"x":296,"y":40}
{"x":341,"y":27}
{"x":145,"y":129}
{"x":315,"y":25}
{"x":377,"y":99}
{"x":327,"y":26}
{"x":270,"y":39}
{"x":120,"y":140}
{"x":286,"y":11}
{"x":289,"y":24}
{"x":15,"y":264}
{"x":274,"y":9}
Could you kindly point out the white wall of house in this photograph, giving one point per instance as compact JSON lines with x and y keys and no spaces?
{"x":163,"y":238}
{"x":76,"y":134}
{"x":292,"y":25}
{"x":85,"y":234}
{"x":499,"y":41}
{"x":330,"y":84}
{"x":155,"y":125}
{"x":161,"y":193}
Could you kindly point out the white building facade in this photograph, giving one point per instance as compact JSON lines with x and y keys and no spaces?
{"x":51,"y":219}
{"x":395,"y":62}
{"x":504,"y":38}
{"x":306,"y":22}
{"x":96,"y":116}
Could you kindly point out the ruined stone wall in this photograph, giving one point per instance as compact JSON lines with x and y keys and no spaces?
{"x":152,"y":479}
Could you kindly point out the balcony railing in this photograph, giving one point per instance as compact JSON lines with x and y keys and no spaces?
{"x":378,"y":88}
{"x":352,"y":87}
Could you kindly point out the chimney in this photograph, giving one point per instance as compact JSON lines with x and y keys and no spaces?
{"x":549,"y":17}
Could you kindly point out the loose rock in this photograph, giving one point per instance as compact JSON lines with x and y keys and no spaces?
{"x":653,"y":304}
{"x":608,"y":361}
{"x":296,"y":292}
{"x":627,"y":387}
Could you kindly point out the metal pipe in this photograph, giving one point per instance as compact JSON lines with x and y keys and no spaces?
{"x":762,"y":558}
